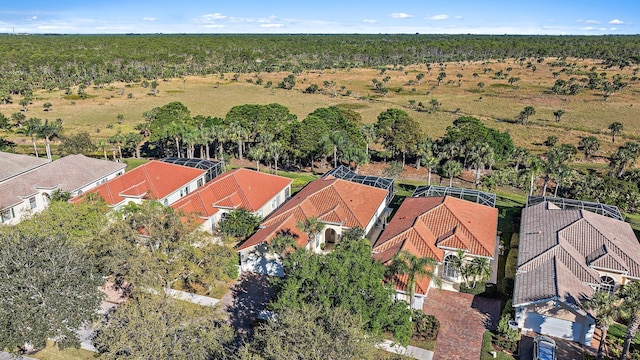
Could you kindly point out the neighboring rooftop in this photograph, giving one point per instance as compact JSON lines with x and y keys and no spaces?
{"x":234,"y":189}
{"x":15,"y":164}
{"x":330,"y":200}
{"x":427,"y":226}
{"x":561,"y":250}
{"x":153,"y":180}
{"x":213,"y":168}
{"x":69,"y":173}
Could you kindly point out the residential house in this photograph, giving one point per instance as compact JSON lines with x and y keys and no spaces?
{"x":439,"y":227}
{"x":564,"y":256}
{"x":155,"y":180}
{"x":339,"y":204}
{"x":27,"y":187}
{"x":257,"y":192}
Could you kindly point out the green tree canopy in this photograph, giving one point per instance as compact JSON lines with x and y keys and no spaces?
{"x":49,"y":289}
{"x":469,"y":130}
{"x":239,"y":223}
{"x":154,"y":327}
{"x":349,"y":279}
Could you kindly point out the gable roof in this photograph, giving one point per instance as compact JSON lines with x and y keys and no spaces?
{"x":330,"y":200}
{"x":70,"y":173}
{"x":153,"y":180}
{"x":15,"y":164}
{"x":578,"y":242}
{"x":234,"y":189}
{"x":427,"y":226}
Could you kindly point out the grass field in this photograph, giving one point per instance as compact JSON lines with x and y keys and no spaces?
{"x":497,"y":103}
{"x":52,"y":352}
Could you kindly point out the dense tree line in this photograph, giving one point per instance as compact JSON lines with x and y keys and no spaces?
{"x":59,"y":62}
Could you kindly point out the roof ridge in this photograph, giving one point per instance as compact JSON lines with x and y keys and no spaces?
{"x":468,"y":233}
{"x":539,"y":257}
{"x":149,"y":179}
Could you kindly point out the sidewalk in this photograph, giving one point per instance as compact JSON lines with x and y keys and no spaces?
{"x":411,"y":351}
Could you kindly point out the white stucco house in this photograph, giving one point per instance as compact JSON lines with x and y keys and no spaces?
{"x":26,"y":183}
{"x":257,"y":192}
{"x":155,"y":180}
{"x":565,"y":255}
{"x":339,"y":204}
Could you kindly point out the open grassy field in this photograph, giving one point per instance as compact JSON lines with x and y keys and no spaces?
{"x":497,"y":103}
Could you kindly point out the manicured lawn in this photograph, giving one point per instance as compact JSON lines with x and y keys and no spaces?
{"x":133,"y":163}
{"x":52,"y":352}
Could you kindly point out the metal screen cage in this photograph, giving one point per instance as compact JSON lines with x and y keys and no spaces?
{"x":595,"y":207}
{"x":344,"y":173}
{"x":213,"y":168}
{"x":477,"y":196}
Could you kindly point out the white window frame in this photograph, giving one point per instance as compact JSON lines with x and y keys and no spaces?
{"x":33,"y":203}
{"x":7,"y":215}
{"x":449,"y":271}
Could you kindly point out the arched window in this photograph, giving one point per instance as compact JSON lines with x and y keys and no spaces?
{"x":330,"y":236}
{"x":450,"y":269}
{"x":607,"y":284}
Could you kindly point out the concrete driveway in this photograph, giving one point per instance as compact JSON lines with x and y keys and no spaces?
{"x":463,"y":320}
{"x":250,"y":294}
{"x":567,"y":350}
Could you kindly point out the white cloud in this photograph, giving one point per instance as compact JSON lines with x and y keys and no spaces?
{"x":616,"y":22}
{"x":613,"y":29}
{"x":458,"y":17}
{"x":592,"y":22}
{"x":146,"y":18}
{"x":271,"y":25}
{"x":213,"y":17}
{"x":400,"y":15}
{"x":370,"y":21}
{"x":439,"y":17}
{"x":33,"y":18}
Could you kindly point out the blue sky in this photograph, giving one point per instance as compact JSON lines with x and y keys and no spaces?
{"x":328,"y":16}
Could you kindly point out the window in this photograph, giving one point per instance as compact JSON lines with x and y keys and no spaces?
{"x":286,"y":193}
{"x":607,"y":284}
{"x":165,"y":202}
{"x":199,"y":182}
{"x":32,"y":203}
{"x":274,"y":203}
{"x":450,"y":269}
{"x":6,"y":215}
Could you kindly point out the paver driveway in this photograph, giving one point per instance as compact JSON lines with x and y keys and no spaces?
{"x":250,"y":294}
{"x":463,"y":319}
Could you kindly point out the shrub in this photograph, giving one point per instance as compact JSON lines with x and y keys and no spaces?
{"x":426,"y":326}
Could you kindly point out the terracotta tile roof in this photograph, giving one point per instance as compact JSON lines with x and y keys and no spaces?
{"x":335,"y":200}
{"x":15,"y":164}
{"x":579,"y":242}
{"x":425,"y":226}
{"x":153,"y":180}
{"x":234,"y":189}
{"x":70,"y":173}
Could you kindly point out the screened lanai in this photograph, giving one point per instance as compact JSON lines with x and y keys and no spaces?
{"x":213,"y":168}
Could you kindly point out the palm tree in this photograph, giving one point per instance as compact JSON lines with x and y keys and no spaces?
{"x":31,"y":128}
{"x":423,"y":149}
{"x":236,"y":132}
{"x":312,"y":227}
{"x":145,"y":131}
{"x":430,"y":163}
{"x":535,"y":167}
{"x":630,"y":295}
{"x":604,"y":308}
{"x":282,"y":243}
{"x":479,"y":270}
{"x":558,"y":114}
{"x":451,"y":169}
{"x":615,"y":128}
{"x":589,"y":145}
{"x":117,"y":140}
{"x":337,"y":140}
{"x":257,"y":153}
{"x":415,"y":268}
{"x":48,"y":131}
{"x":369,"y":134}
{"x":103,"y":145}
{"x":481,"y":156}
{"x":275,"y":150}
{"x":520,"y":155}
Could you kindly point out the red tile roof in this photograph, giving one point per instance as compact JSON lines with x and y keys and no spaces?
{"x":425,"y":226}
{"x":153,"y":180}
{"x":234,"y":189}
{"x":328,"y":199}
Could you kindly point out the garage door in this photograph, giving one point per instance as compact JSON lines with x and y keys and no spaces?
{"x":555,"y":327}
